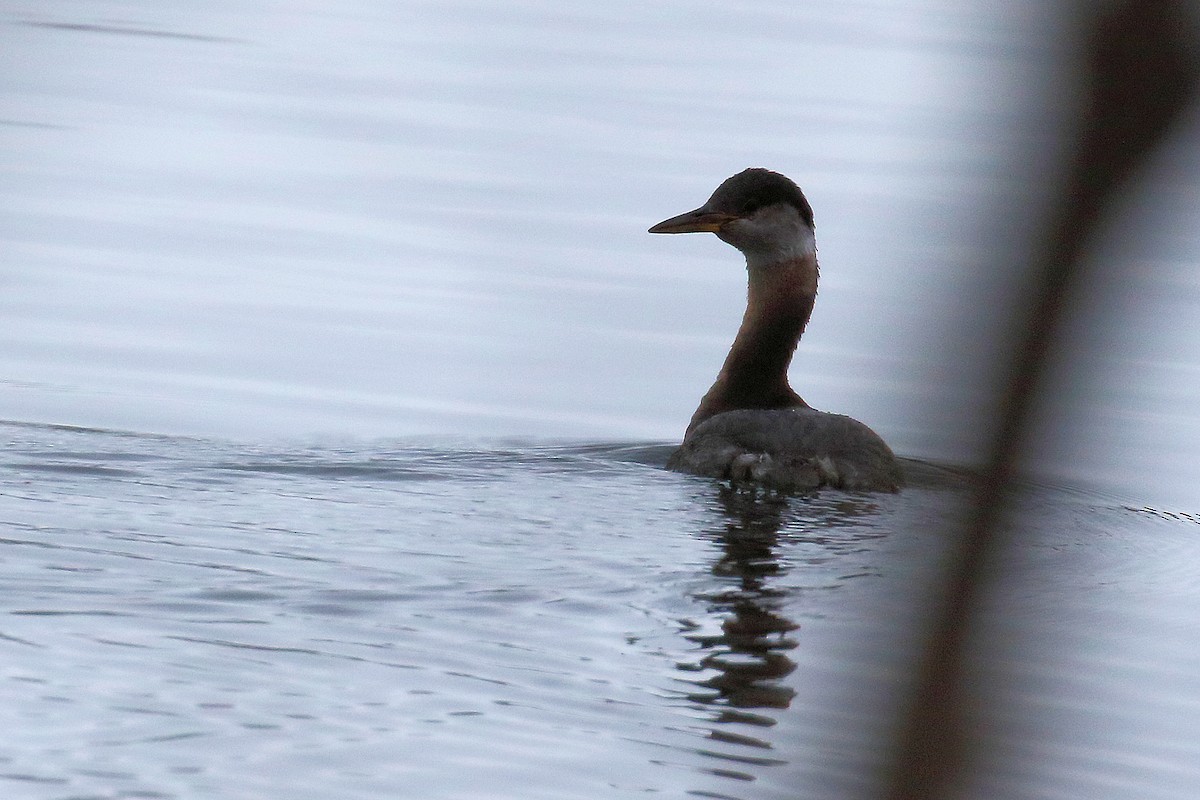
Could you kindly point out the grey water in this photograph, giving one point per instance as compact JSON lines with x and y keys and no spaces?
{"x":188,"y":617}
{"x":337,"y":374}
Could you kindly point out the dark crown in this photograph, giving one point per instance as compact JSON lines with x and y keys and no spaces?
{"x":756,"y":188}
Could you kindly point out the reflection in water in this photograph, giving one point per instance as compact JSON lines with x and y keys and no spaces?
{"x":747,"y":660}
{"x":749,"y":652}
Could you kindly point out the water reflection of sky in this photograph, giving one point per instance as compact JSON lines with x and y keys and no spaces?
{"x":385,"y":221}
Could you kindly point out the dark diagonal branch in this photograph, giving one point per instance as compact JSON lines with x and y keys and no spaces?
{"x":1140,"y":74}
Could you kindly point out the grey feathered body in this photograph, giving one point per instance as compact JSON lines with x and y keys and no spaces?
{"x":792,"y":449}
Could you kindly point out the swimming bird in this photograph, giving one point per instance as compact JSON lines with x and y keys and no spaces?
{"x":751,"y":426}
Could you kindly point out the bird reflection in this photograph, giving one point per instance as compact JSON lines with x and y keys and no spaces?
{"x":749,"y":652}
{"x":746,"y":661}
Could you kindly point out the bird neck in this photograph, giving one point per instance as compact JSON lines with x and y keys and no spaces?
{"x":780,"y":301}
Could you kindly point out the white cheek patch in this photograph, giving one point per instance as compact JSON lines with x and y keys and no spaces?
{"x":806,"y":242}
{"x":776,"y":234}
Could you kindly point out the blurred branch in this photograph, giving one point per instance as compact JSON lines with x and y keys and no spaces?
{"x":1140,"y":73}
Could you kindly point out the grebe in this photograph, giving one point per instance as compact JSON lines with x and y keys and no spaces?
{"x":751,"y":426}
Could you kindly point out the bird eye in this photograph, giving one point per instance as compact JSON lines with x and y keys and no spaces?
{"x":751,"y":205}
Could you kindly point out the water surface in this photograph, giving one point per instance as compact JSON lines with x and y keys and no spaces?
{"x":188,"y":617}
{"x":389,"y":220}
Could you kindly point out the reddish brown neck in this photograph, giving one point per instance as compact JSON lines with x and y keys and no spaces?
{"x":754,"y":375}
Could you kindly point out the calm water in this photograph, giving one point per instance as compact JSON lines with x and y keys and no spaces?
{"x":188,"y":617}
{"x":337,"y":372}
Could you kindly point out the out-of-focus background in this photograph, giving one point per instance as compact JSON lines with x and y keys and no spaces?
{"x":380,"y":220}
